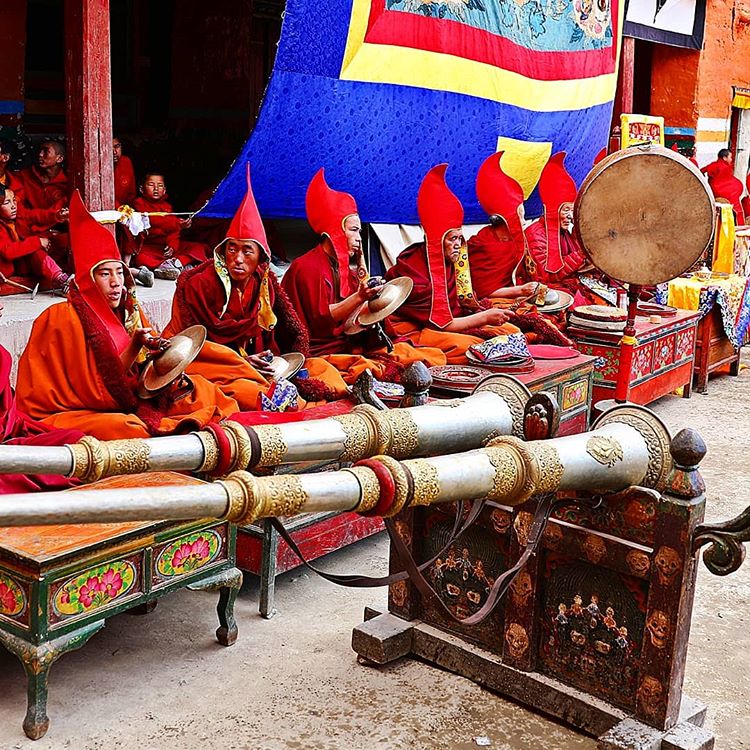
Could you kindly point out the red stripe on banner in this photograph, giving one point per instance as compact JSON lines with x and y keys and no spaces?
{"x":403,"y":29}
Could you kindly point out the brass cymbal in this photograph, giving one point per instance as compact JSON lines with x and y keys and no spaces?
{"x":166,"y":367}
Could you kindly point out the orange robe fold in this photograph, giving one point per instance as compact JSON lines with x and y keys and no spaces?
{"x":312,"y":283}
{"x":412,"y":319}
{"x":200,"y":298}
{"x":61,"y":384}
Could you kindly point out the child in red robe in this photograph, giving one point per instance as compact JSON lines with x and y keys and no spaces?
{"x":24,"y":258}
{"x":161,"y":248}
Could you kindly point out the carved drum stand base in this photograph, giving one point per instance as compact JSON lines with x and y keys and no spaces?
{"x":383,"y":638}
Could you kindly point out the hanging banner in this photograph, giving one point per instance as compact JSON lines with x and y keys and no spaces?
{"x":640,"y":129}
{"x":679,"y":23}
{"x":379,"y":91}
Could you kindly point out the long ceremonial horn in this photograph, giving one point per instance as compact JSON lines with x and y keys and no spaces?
{"x":441,"y":427}
{"x":629,"y":446}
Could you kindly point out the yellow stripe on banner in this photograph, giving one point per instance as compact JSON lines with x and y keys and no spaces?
{"x":406,"y":66}
{"x":714,"y":136}
{"x":741,"y":101}
{"x":524,"y":160}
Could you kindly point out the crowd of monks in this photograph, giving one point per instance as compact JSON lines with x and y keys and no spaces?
{"x":80,"y":370}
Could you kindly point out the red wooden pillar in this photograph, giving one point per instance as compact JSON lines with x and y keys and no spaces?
{"x":13,"y":68}
{"x":627,"y":66}
{"x":88,"y":101}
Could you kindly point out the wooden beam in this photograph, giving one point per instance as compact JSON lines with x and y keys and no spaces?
{"x":88,"y":101}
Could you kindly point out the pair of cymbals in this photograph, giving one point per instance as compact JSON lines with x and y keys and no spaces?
{"x":393,"y":294}
{"x":171,"y":364}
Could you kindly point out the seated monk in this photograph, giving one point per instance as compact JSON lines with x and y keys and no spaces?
{"x":18,"y":429}
{"x":24,"y":258}
{"x":125,"y":195}
{"x":497,"y":252}
{"x":555,"y":257}
{"x":724,"y":184}
{"x":42,"y":196}
{"x":247,"y":315}
{"x":161,"y":248}
{"x":80,"y":367}
{"x":328,"y":284}
{"x":432,"y":315}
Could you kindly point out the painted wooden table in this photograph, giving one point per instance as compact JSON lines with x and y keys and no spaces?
{"x":713,"y":349}
{"x":662,"y":362}
{"x":58,"y":584}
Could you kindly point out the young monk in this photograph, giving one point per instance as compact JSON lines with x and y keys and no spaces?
{"x":497,"y":252}
{"x":126,"y":190}
{"x":43,"y":193}
{"x":80,"y":367}
{"x":24,"y":258}
{"x":162,"y":249}
{"x":555,"y":257}
{"x":328,"y":283}
{"x":241,"y":303}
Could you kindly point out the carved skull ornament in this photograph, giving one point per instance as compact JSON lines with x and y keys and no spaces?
{"x":595,"y":548}
{"x":517,"y":640}
{"x":520,"y":589}
{"x":658,"y":628}
{"x":649,"y":695}
{"x":668,"y":565}
{"x":638,"y":562}
{"x":500,"y":520}
{"x":398,"y":592}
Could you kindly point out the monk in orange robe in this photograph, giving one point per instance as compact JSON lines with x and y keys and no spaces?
{"x":18,"y":429}
{"x":247,"y":315}
{"x":433,"y":316}
{"x":329,"y":283}
{"x":555,"y":259}
{"x":80,"y":367}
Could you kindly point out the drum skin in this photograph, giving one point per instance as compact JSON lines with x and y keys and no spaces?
{"x":644,"y":215}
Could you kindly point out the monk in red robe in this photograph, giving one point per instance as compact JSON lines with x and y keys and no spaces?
{"x":162,"y":249}
{"x":80,"y":367}
{"x":248,"y":316}
{"x":23,"y":258}
{"x":7,"y":178}
{"x":43,"y":193}
{"x":496,"y":253}
{"x":432,"y":315}
{"x":329,"y":283}
{"x":554,"y":255}
{"x":724,"y":184}
{"x":126,"y":189}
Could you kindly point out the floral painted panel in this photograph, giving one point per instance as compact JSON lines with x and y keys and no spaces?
{"x":188,"y":553}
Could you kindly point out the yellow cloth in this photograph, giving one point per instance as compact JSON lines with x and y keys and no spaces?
{"x":464,"y":288}
{"x":685,"y":294}
{"x":723,"y":260}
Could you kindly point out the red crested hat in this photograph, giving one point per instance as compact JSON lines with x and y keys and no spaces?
{"x":500,"y":195}
{"x":247,"y":224}
{"x":327,"y":210}
{"x":556,"y":187}
{"x":91,"y":245}
{"x":601,"y":155}
{"x":439,"y":211}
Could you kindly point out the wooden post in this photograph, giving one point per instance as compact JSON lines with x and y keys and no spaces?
{"x":627,"y":66}
{"x":88,"y":101}
{"x":12,"y":71}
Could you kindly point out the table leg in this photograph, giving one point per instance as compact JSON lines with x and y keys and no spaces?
{"x":269,"y":553}
{"x":37,"y":660}
{"x":687,"y":389}
{"x":228,"y":583}
{"x":734,"y":367}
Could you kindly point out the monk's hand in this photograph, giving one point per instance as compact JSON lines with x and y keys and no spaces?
{"x":144,"y":337}
{"x":529,"y":288}
{"x":168,"y":251}
{"x":495,"y":317}
{"x":261,"y":362}
{"x":186,"y":223}
{"x":62,"y":215}
{"x":45,"y":243}
{"x":366,"y":292}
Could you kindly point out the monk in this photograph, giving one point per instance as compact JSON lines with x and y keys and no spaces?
{"x":248,"y":316}
{"x":433,"y":316}
{"x":554,"y":255}
{"x":80,"y":367}
{"x":724,"y":184}
{"x":43,"y":194}
{"x":162,"y":249}
{"x":18,"y":429}
{"x":24,"y":258}
{"x":330,"y":282}
{"x":7,"y":178}
{"x":497,"y":252}
{"x":125,"y":187}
